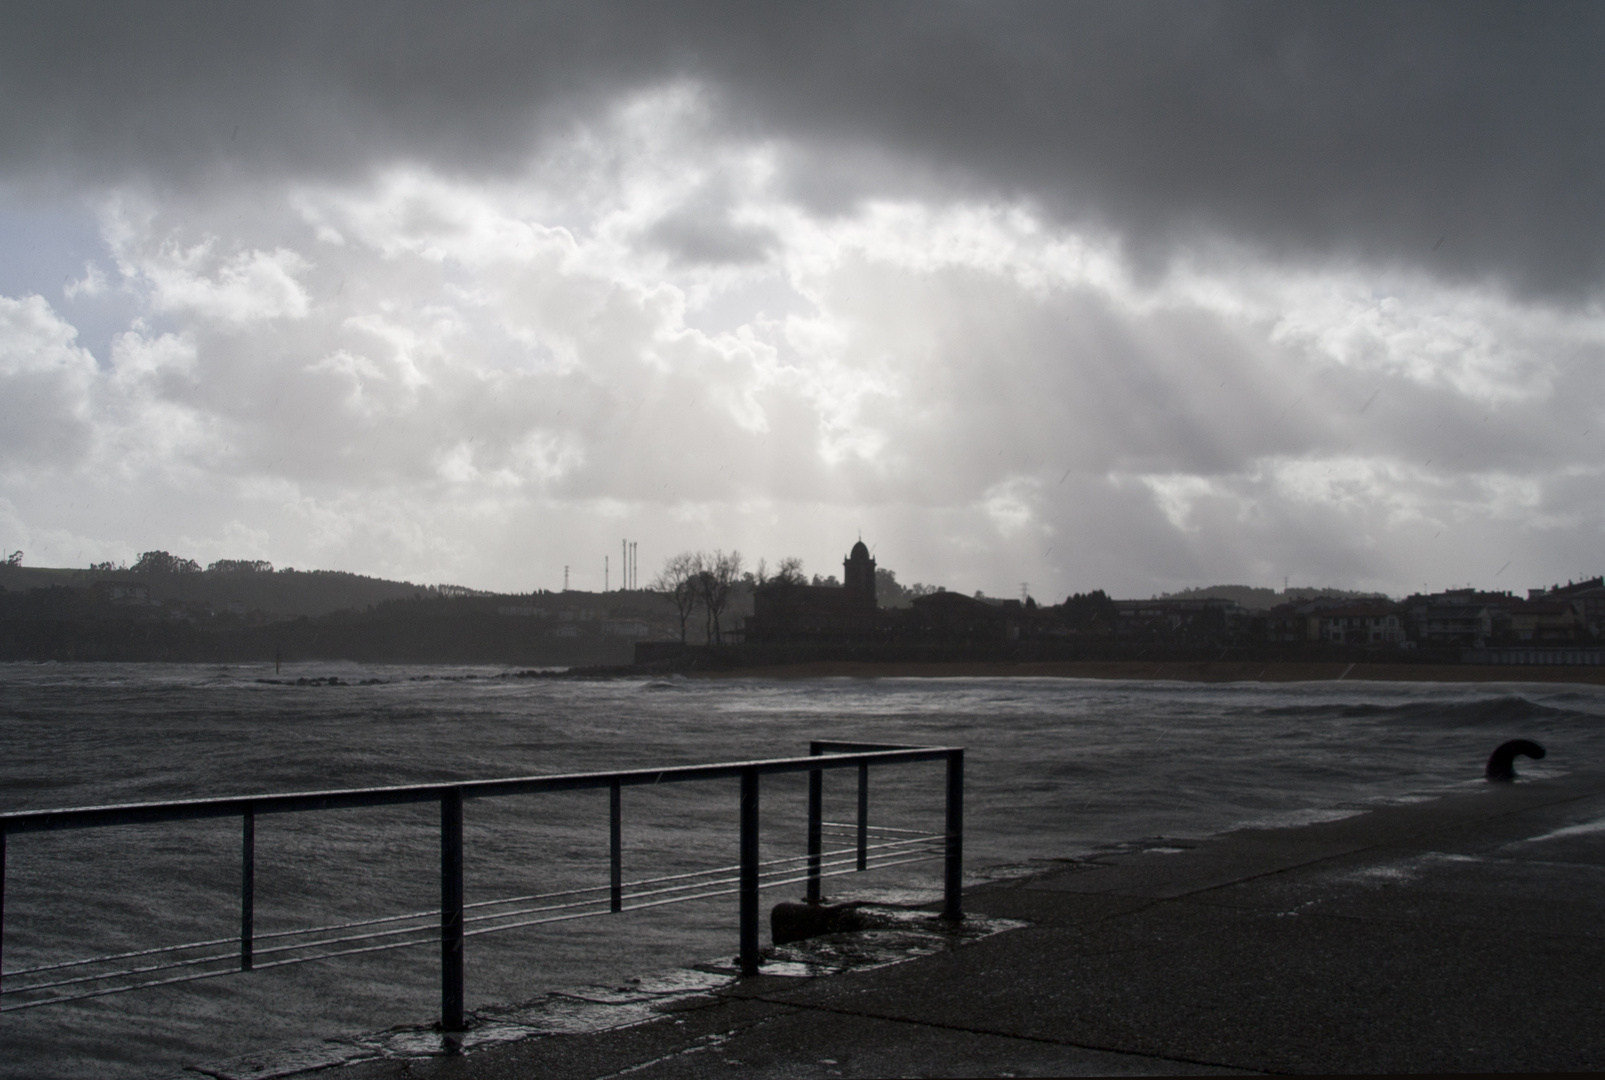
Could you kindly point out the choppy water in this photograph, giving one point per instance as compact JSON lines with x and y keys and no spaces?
{"x":1054,"y":768}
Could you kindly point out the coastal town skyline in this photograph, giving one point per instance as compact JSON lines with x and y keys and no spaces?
{"x":576,"y":578}
{"x":1133,"y":297}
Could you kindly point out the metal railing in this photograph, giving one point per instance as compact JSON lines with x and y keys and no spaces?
{"x":88,"y":977}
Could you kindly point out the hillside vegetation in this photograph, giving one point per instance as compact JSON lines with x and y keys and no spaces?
{"x":1260,"y":599}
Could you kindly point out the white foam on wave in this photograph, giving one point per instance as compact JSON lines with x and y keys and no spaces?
{"x":1582,"y":829}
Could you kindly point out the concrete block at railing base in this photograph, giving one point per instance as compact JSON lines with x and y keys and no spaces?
{"x":791,"y":921}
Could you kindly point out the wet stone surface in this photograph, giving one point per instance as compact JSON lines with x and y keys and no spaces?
{"x":893,"y":936}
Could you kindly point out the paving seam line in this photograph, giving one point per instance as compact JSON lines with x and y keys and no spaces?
{"x":862,"y":1014}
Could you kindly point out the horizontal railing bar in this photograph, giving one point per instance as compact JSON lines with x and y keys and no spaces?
{"x":695,"y":873}
{"x":400,"y":930}
{"x":829,"y":856}
{"x":623,"y":885}
{"x":534,"y":896}
{"x":852,"y":861}
{"x":777,"y":884}
{"x":855,"y":870}
{"x":214,"y":974}
{"x":853,"y":828}
{"x":837,"y":746}
{"x":109,"y":957}
{"x":530,"y":911}
{"x":295,"y":802}
{"x":687,"y":899}
{"x":114,"y":990}
{"x":563,"y":918}
{"x":288,"y":961}
{"x":233,"y":940}
{"x":770,"y":884}
{"x":381,"y":920}
{"x":124,"y":973}
{"x":701,"y":884}
{"x":764,"y":883}
{"x":827,"y":860}
{"x":231,"y":958}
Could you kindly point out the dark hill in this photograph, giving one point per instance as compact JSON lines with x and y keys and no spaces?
{"x":279,"y":593}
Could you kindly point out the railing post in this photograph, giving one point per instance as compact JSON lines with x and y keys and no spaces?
{"x":451,"y":909}
{"x":863,"y":815}
{"x":2,"y":903}
{"x":749,"y":872}
{"x":816,"y":823}
{"x":953,"y":868}
{"x":615,"y":842}
{"x":247,"y":887}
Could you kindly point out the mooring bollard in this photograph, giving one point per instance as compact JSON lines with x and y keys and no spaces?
{"x":1502,"y":762}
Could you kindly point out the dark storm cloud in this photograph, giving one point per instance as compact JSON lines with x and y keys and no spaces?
{"x":1466,"y":138}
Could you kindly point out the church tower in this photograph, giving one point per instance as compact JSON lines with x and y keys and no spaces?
{"x":858,"y":572}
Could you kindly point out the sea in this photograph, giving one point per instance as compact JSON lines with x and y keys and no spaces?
{"x":1055,"y":769}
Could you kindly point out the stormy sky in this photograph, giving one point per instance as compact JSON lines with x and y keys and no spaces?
{"x":1130,"y":295}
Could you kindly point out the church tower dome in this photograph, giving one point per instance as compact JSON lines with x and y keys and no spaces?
{"x":858,"y":571}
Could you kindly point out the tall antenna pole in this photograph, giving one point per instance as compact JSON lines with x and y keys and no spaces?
{"x":624,"y":563}
{"x":604,"y":573}
{"x":565,"y":579}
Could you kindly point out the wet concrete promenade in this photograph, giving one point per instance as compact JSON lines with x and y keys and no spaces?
{"x":1462,"y":934}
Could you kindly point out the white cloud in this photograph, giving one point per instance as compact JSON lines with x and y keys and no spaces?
{"x":1175,"y":495}
{"x":46,"y":381}
{"x":93,"y":283}
{"x":484,"y":379}
{"x":135,"y":356}
{"x":249,"y":285}
{"x":1011,"y":504}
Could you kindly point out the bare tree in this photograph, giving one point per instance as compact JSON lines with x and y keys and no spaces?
{"x":790,"y":571}
{"x":678,"y":580}
{"x":716,"y":575}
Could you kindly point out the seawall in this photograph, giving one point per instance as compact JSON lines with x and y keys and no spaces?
{"x":1460,"y":934}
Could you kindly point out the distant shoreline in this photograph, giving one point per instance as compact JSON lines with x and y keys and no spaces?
{"x":1200,"y":671}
